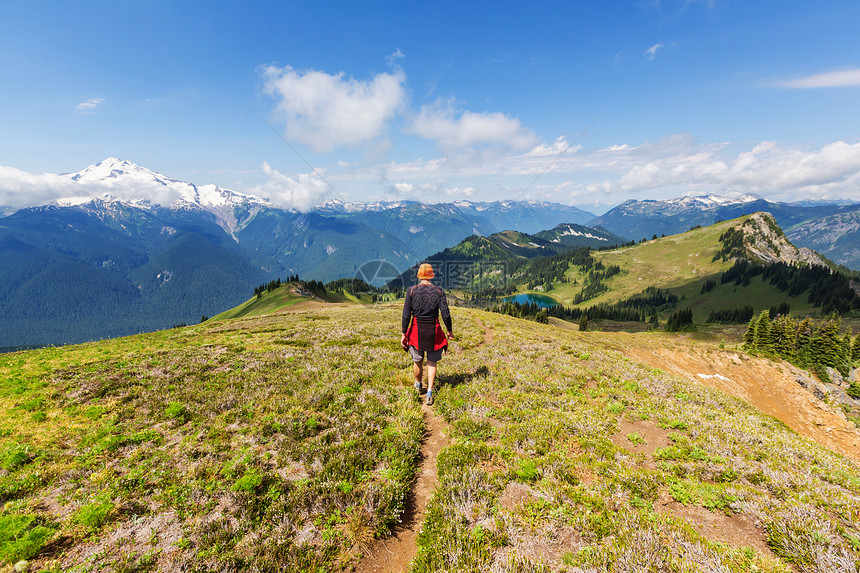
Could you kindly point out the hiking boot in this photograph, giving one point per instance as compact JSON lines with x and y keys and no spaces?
{"x":429,"y":399}
{"x":418,"y":388}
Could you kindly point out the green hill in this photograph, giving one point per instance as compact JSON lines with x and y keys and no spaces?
{"x":281,"y":298}
{"x":681,"y":264}
{"x":695,"y":266}
{"x":286,"y":442}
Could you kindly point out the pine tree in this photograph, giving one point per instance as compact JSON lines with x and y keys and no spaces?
{"x":846,"y":352}
{"x":583,"y":323}
{"x":855,"y":350}
{"x":749,"y":335}
{"x":784,"y":335}
{"x":827,"y":344}
{"x":764,"y":333}
{"x":804,"y":342}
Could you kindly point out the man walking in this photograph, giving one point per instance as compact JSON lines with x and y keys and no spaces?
{"x":422,"y":333}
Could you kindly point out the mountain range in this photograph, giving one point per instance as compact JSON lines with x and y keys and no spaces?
{"x":170,"y":251}
{"x":831,"y":229}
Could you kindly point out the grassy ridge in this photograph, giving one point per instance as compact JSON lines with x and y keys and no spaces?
{"x":269,"y":302}
{"x":285,"y":442}
{"x":576,"y":444}
{"x":680,"y":263}
{"x":278,"y":441}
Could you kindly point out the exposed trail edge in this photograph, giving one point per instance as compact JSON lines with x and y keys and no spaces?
{"x":393,"y":555}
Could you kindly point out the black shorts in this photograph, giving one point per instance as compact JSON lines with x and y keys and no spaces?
{"x":418,"y":356}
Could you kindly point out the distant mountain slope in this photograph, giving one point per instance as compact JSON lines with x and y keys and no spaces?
{"x":525,"y":216}
{"x":422,"y":228}
{"x":691,"y":264}
{"x":836,"y":236}
{"x":644,"y":219}
{"x":493,"y":252}
{"x":428,"y":228}
{"x":574,"y":236}
{"x":101,"y":270}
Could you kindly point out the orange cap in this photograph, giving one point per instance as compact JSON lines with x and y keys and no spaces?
{"x":425,"y":272}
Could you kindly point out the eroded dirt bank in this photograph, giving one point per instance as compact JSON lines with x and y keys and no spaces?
{"x":771,"y":387}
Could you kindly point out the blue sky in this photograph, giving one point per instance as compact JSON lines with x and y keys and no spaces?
{"x":480,"y":101}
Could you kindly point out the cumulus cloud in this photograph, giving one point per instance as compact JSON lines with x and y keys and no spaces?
{"x":90,"y":105}
{"x":454,"y":130}
{"x":834,"y":79}
{"x":326,"y":111}
{"x":767,"y":168}
{"x":300,"y":192}
{"x":651,"y":52}
{"x":460,"y":191}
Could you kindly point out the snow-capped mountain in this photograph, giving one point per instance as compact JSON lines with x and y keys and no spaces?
{"x":116,"y":180}
{"x":572,"y":235}
{"x":138,"y":184}
{"x":680,"y":205}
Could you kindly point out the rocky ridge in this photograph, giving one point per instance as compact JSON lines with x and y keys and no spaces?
{"x":764,"y":240}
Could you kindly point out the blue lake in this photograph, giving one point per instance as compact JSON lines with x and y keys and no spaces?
{"x":541,"y":300}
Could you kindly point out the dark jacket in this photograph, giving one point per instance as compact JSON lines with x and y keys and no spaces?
{"x":420,"y":321}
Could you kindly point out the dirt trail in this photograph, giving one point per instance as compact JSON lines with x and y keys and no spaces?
{"x":769,"y":386}
{"x":488,"y":334}
{"x":393,"y":555}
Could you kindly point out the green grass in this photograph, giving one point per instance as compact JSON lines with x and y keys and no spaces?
{"x":278,"y":299}
{"x":680,"y":263}
{"x":556,"y":411}
{"x":288,"y":441}
{"x":238,"y":450}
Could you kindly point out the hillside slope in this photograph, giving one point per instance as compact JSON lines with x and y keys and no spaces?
{"x":637,"y":219}
{"x":287,"y":441}
{"x":683,"y":263}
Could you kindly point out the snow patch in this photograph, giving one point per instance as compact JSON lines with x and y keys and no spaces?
{"x":717,"y":376}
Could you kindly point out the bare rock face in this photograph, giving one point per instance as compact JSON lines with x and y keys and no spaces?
{"x":764,"y":240}
{"x":835,"y":393}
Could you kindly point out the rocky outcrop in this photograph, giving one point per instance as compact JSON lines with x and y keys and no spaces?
{"x":765,"y":241}
{"x":835,"y":393}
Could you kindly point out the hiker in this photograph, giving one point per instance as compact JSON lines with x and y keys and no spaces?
{"x":422,"y":334}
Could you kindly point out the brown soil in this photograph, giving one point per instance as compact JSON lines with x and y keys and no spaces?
{"x":736,"y":530}
{"x":488,"y":334}
{"x":652,"y":435}
{"x":393,"y":555}
{"x":769,"y":386}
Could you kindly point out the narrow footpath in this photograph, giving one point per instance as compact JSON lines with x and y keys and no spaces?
{"x":392,"y":555}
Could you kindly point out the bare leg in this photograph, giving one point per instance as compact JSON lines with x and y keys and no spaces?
{"x":431,"y":375}
{"x":417,"y":370}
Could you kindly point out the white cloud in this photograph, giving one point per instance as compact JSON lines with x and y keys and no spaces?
{"x":460,"y":192}
{"x":651,"y":52}
{"x":454,"y":130}
{"x":90,"y":105}
{"x":300,"y":192}
{"x":834,"y":79}
{"x":326,"y":111}
{"x":22,"y":189}
{"x":832,"y":171}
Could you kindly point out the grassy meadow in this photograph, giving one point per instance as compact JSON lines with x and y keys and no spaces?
{"x":680,"y":263}
{"x":287,"y":442}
